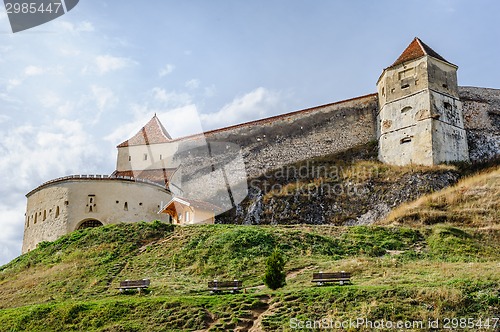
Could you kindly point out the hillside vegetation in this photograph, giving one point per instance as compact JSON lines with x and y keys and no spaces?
{"x":417,"y":266}
{"x":474,"y":201}
{"x":398,"y":273}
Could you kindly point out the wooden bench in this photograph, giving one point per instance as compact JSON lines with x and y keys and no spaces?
{"x":134,"y":284}
{"x":232,"y":286}
{"x":323,"y":277}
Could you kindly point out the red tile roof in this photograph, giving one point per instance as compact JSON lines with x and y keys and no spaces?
{"x":415,"y":50}
{"x":191,"y":202}
{"x":153,"y":132}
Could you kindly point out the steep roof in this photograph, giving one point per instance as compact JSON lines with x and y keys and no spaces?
{"x":152,"y":133}
{"x":415,"y":50}
{"x":189,"y":202}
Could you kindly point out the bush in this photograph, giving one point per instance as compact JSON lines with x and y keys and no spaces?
{"x":275,"y":276}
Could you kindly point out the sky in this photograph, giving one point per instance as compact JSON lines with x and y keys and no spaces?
{"x":74,"y":88}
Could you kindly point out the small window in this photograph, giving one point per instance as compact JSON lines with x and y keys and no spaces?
{"x":405,"y":140}
{"x":187,"y":216}
{"x":117,"y":202}
{"x":125,"y":206}
{"x":44,"y":215}
{"x":445,"y":86}
{"x":36,"y":218}
{"x":383,"y":91}
{"x":447,"y":105}
{"x":140,"y":204}
{"x":161,"y":157}
{"x":129,"y":158}
{"x":57,"y":211}
{"x":406,"y":109}
{"x":180,"y":217}
{"x":404,"y":86}
{"x":66,"y":202}
{"x":145,"y":156}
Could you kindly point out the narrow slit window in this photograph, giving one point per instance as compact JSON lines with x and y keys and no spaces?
{"x":404,"y":86}
{"x":125,"y":206}
{"x":406,"y":109}
{"x":145,"y":156}
{"x":57,"y":211}
{"x":405,"y":140}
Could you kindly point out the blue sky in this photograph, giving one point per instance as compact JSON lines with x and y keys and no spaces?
{"x":74,"y":88}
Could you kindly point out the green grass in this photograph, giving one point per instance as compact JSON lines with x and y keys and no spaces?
{"x":398,"y":272}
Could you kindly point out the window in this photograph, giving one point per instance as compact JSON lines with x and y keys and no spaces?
{"x":405,"y":140}
{"x":180,"y":217}
{"x":36,"y":218}
{"x":406,"y":73}
{"x":187,"y":216}
{"x":406,"y":109}
{"x":404,"y":86}
{"x":447,"y":105}
{"x":44,"y":215}
{"x":57,"y":211}
{"x":383,"y":91}
{"x":145,"y":156}
{"x":129,"y":158}
{"x":161,"y":157}
{"x":125,"y":206}
{"x":445,"y":86}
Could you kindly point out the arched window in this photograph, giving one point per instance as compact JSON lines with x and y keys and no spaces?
{"x":406,"y":109}
{"x":89,"y":224}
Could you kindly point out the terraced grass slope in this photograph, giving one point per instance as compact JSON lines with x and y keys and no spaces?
{"x":398,"y":273}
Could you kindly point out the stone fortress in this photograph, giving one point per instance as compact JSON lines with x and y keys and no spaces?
{"x":419,"y":115}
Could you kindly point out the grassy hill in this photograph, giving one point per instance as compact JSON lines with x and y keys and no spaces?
{"x":398,"y":273}
{"x":414,"y":267}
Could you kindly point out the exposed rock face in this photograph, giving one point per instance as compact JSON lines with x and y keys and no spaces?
{"x":356,"y":193}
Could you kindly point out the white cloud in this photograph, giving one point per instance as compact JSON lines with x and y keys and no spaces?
{"x":167,"y":69}
{"x":192,"y":84}
{"x":32,"y":155}
{"x":50,"y":99}
{"x":12,"y":83}
{"x":257,"y":104}
{"x":104,"y":97}
{"x":33,"y":70}
{"x":84,"y":26}
{"x":108,"y":63}
{"x":170,"y":98}
{"x":4,"y":118}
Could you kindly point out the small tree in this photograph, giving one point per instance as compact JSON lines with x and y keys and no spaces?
{"x":275,"y":276}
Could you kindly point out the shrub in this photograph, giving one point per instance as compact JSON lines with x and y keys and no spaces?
{"x":275,"y":276}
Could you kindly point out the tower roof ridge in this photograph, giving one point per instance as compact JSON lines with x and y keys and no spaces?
{"x":415,"y":50}
{"x":152,"y":133}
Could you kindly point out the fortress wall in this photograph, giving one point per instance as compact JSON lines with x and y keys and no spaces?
{"x":481,"y":111}
{"x":275,"y":142}
{"x":46,"y":216}
{"x":108,"y":200}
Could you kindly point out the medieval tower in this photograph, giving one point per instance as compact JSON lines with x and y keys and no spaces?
{"x":420,"y":117}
